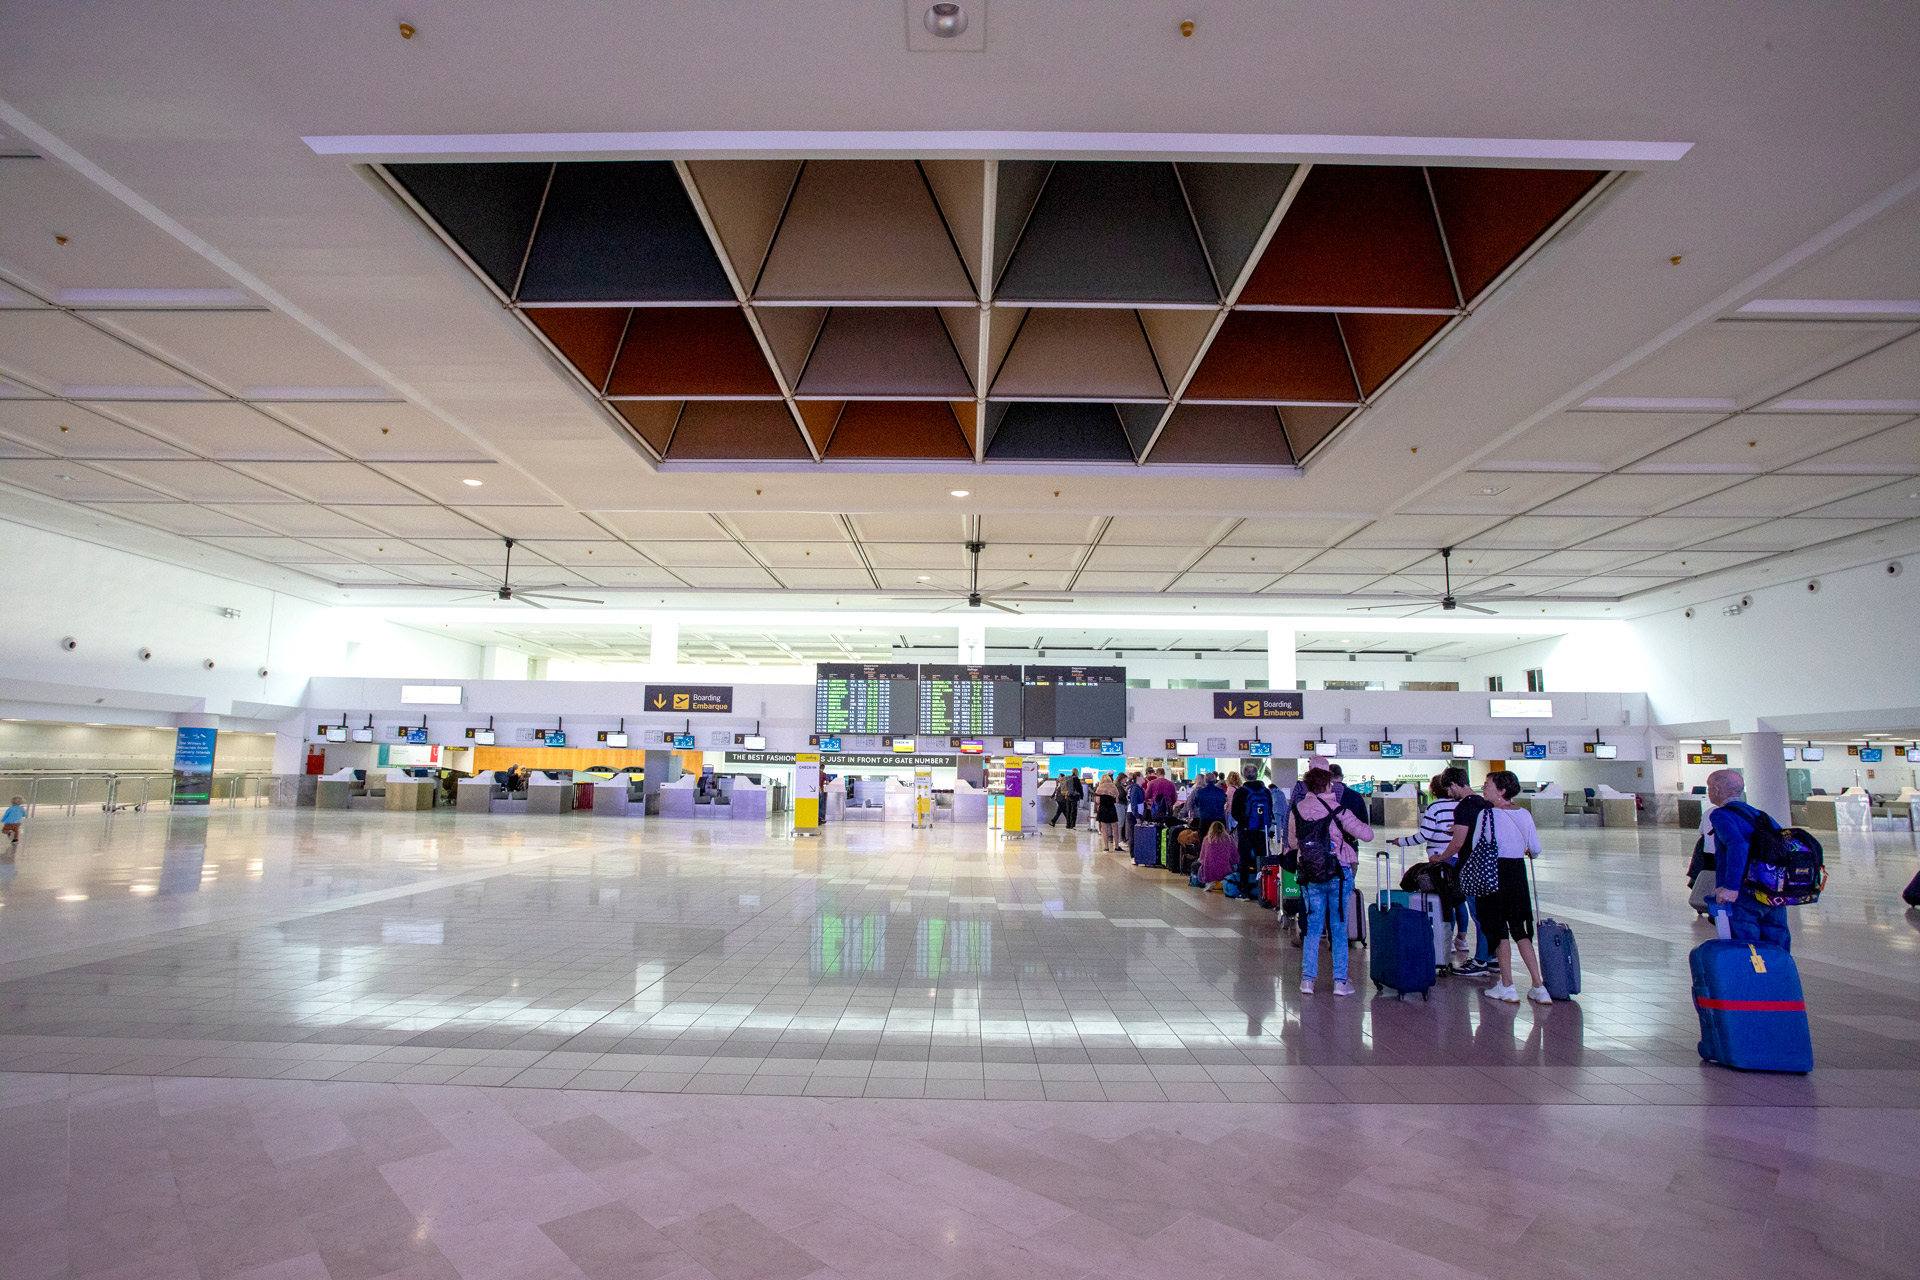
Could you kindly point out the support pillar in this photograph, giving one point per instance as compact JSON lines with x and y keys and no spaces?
{"x":973,"y":643}
{"x":1282,"y":666}
{"x":1763,"y":764}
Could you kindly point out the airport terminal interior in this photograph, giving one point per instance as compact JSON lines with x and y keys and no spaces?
{"x":625,"y":628}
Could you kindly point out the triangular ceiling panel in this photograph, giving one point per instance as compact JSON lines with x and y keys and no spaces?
{"x":861,"y":231}
{"x":1016,"y":189}
{"x":899,"y":429}
{"x":1275,"y":355}
{"x":488,"y":209}
{"x":884,"y":353}
{"x":1176,"y":337}
{"x":791,"y":332}
{"x":1308,"y":425}
{"x":1067,"y":432}
{"x":996,"y":413}
{"x":1082,"y":353}
{"x":1231,"y":204}
{"x":1215,"y":433}
{"x":967,"y":414}
{"x":716,"y":429}
{"x":1379,"y":344}
{"x":690,"y":351}
{"x":1003,"y":327}
{"x":1109,"y":231}
{"x":819,"y":417}
{"x":1139,"y":422}
{"x":1492,"y":215}
{"x":1355,"y":236}
{"x":745,"y":199}
{"x":963,"y":327}
{"x":589,"y":337}
{"x":960,"y":186}
{"x":653,"y":419}
{"x":621,"y":231}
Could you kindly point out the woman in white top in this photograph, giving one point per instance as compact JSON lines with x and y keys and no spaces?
{"x":1506,"y":914}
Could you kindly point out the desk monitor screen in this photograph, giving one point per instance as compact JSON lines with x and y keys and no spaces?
{"x":1871,"y":755}
{"x":363,"y":735}
{"x":615,"y":739}
{"x":1053,"y":748}
{"x":1392,"y":750}
{"x":1024,"y":747}
{"x":483,"y":737}
{"x":336,"y":733}
{"x":1534,"y":751}
{"x":1813,"y":755}
{"x":1259,"y":749}
{"x":1605,"y":751}
{"x":1186,"y":748}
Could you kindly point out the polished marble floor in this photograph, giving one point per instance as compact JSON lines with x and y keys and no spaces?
{"x":444,"y":1046}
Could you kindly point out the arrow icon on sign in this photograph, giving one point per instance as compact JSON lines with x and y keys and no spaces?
{"x":659,"y":700}
{"x":1231,"y":709}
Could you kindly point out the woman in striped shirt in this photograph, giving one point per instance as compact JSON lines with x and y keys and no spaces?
{"x":1448,"y":788}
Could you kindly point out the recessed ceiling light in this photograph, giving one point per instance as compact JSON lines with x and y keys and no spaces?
{"x":61,"y":477}
{"x":475,"y":483}
{"x":925,"y":578}
{"x":1491,"y":490}
{"x":959,"y":493}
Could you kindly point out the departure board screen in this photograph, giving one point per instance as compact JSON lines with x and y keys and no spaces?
{"x":866,"y":697}
{"x":970,"y":701}
{"x":1075,"y":702}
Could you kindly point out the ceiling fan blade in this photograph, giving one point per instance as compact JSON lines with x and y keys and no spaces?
{"x":517,"y":595}
{"x":1484,"y":591}
{"x":1424,"y":609}
{"x":988,"y":595}
{"x":1002,"y":608}
{"x":1369,"y":608}
{"x":1477,"y":609}
{"x":531,"y":604}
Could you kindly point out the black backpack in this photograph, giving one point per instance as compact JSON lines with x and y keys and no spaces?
{"x":1259,"y":809}
{"x":1319,"y":859}
{"x":1785,"y":865}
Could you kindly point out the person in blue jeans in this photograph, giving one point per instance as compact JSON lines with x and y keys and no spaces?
{"x":1321,"y":830}
{"x":1734,"y":821}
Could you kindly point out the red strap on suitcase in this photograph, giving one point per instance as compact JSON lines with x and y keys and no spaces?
{"x":1752,"y":1006}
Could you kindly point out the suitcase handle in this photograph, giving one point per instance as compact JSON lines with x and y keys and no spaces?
{"x":1723,"y":924}
{"x":1381,"y":863}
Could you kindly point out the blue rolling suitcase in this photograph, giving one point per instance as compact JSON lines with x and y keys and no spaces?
{"x":1146,"y":844}
{"x":1753,"y":1016}
{"x":1400,"y":955}
{"x":1559,"y":953}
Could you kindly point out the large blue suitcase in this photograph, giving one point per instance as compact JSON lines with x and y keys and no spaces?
{"x":1753,"y":1016}
{"x":1146,"y":844}
{"x":1559,"y":953}
{"x":1400,"y":953}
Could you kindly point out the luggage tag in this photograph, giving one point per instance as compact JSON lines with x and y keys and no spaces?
{"x":1759,"y":962}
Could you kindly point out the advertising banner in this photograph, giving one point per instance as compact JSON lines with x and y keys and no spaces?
{"x":806,"y":793}
{"x":193,"y":765}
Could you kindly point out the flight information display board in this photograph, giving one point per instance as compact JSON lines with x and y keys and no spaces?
{"x":1075,"y":702}
{"x":866,"y":697}
{"x":970,"y":701}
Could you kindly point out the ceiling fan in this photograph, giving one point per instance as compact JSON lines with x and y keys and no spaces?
{"x":1446,"y":600}
{"x":507,"y":593}
{"x":976,"y":598}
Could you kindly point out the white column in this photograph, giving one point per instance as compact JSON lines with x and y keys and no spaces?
{"x":1282,"y":668}
{"x":665,"y":637}
{"x":973,"y":643}
{"x":1763,"y":763}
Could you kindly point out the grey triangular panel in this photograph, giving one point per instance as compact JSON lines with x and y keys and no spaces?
{"x":1106,"y":231}
{"x":896,"y":352}
{"x":1073,"y":432}
{"x":1232,"y":203}
{"x":1139,"y":421}
{"x":1014,"y":194}
{"x":488,"y":209}
{"x":996,"y":411}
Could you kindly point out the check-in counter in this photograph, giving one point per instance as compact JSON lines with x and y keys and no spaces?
{"x":1399,"y":811}
{"x":407,"y":793}
{"x":1548,"y":806}
{"x":610,"y":799}
{"x":474,"y":795}
{"x":833,"y":801}
{"x":546,"y":796}
{"x":676,"y":797}
{"x":1619,"y":811}
{"x":969,"y":805}
{"x":1853,"y":810}
{"x":749,"y":803}
{"x":335,"y":790}
{"x":1692,"y":809}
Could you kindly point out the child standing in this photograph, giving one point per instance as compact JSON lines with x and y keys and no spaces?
{"x":10,"y":821}
{"x":1218,"y":854}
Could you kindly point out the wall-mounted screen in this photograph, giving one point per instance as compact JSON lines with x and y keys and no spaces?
{"x":1813,"y":755}
{"x":363,"y":735}
{"x":969,"y":700}
{"x":1605,"y":751}
{"x":481,"y":737}
{"x":866,"y":697}
{"x":1053,"y":748}
{"x":1186,"y":748}
{"x":614,"y":738}
{"x":1076,"y":702}
{"x":336,"y":733}
{"x":1871,"y":755}
{"x":1025,"y":747}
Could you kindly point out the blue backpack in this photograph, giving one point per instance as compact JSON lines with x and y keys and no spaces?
{"x":1259,"y":810}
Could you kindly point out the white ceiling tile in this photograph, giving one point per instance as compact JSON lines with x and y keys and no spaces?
{"x":908,"y":579}
{"x":1891,"y":373}
{"x":1895,"y":451}
{"x":1627,"y":495}
{"x":1161,"y":531}
{"x":588,"y":555}
{"x":631,"y":576}
{"x":803,"y":579}
{"x":1897,"y":501}
{"x":241,"y":349}
{"x":182,"y":518}
{"x":76,"y":482}
{"x":1742,"y":361}
{"x":413,"y":521}
{"x":907,"y":526}
{"x":487,"y":555}
{"x":536,"y":523}
{"x":1122,"y":581}
{"x":922,"y":557}
{"x":1108,"y":557}
{"x":1367,"y":560}
{"x":1777,"y":495}
{"x":199,"y":481}
{"x":657,"y":526}
{"x":1877,"y":261}
{"x":378,"y":550}
{"x":1030,"y":528}
{"x":58,"y":352}
{"x":1545,"y":532}
{"x":446,"y":482}
{"x":382,"y":432}
{"x":1688,"y":564}
{"x":786,"y":526}
{"x":109,"y":246}
{"x":1763,"y":441}
{"x":1668,"y":533}
{"x":1471,"y":562}
{"x":278,"y":550}
{"x":1596,"y":440}
{"x":1323,"y":584}
{"x":712,"y":577}
{"x":1420,"y":531}
{"x":808,"y":555}
{"x":1025,"y":581}
{"x":1493,"y":493}
{"x":221,"y":430}
{"x":1609,"y":588}
{"x":1290,"y":532}
{"x":86,"y":435}
{"x":1789,"y":535}
{"x":702,"y":555}
{"x":1599,"y":560}
{"x":302,"y":520}
{"x":340,"y":483}
{"x":1020,"y":557}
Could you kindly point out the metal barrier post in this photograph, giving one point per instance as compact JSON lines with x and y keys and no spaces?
{"x":73,"y":793}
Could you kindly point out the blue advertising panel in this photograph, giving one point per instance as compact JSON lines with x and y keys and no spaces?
{"x":1259,"y":749}
{"x":193,"y":765}
{"x":1535,"y":751}
{"x":681,"y":741}
{"x":418,"y":736}
{"x":1871,"y":755}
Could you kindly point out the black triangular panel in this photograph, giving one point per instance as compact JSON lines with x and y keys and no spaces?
{"x":488,"y":209}
{"x":1107,"y":231}
{"x":1060,"y":431}
{"x":621,"y":231}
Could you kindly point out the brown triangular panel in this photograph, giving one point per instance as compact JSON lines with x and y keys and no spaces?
{"x":790,"y":332}
{"x":691,"y":351}
{"x":820,"y":415}
{"x":652,"y":419}
{"x":1492,"y":215}
{"x":588,"y":337}
{"x":967,"y":414}
{"x":863,"y":230}
{"x":1223,"y":433}
{"x":1275,"y":355}
{"x":1355,"y":236}
{"x":1308,"y":425}
{"x":1093,"y":353}
{"x":960,"y":188}
{"x":884,"y":352}
{"x":899,"y":429}
{"x":715,"y":429}
{"x":745,"y":199}
{"x":1380,"y":343}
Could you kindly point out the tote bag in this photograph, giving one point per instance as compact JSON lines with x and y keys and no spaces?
{"x":1480,"y":869}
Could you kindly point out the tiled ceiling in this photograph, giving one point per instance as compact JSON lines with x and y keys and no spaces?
{"x":848,"y":310}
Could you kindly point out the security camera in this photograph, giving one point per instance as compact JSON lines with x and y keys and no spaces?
{"x":208,"y":664}
{"x":69,"y":644}
{"x":1893,"y":568}
{"x":1746,"y":602}
{"x":263,"y":673}
{"x":1688,"y":614}
{"x":1813,"y":586}
{"x":145,"y":655}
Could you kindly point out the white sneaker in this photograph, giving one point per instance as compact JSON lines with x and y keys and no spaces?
{"x":1343,"y":988}
{"x":1460,"y":945}
{"x":1306,"y":986}
{"x":1504,"y":991}
{"x":1540,"y":995}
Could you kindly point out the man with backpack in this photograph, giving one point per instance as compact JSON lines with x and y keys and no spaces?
{"x":1253,"y":821}
{"x":1735,"y":825}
